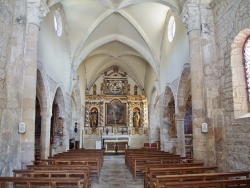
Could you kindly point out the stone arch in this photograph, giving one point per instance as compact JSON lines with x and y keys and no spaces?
{"x":43,"y":95}
{"x":168,"y":97}
{"x":238,"y":76}
{"x":76,"y":116}
{"x":59,"y":98}
{"x":181,"y":92}
{"x":60,"y":120}
{"x":76,"y":89}
{"x":154,"y":122}
{"x":115,"y":37}
{"x":167,"y":143}
{"x":180,"y":110}
{"x":42,"y":88}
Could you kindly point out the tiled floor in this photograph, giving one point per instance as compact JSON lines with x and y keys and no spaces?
{"x":114,"y":174}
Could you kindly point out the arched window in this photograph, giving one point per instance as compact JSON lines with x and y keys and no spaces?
{"x":58,"y":23}
{"x":246,"y":53}
{"x":171,"y":29}
{"x":240,"y":67}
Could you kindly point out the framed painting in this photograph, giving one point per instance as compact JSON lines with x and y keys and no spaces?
{"x":115,"y":113}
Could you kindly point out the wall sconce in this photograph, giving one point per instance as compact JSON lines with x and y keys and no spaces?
{"x":76,"y":129}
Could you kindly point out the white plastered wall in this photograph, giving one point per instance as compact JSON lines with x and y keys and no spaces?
{"x":53,"y":51}
{"x":174,"y":54}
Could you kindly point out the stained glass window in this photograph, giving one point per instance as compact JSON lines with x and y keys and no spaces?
{"x":247,"y":64}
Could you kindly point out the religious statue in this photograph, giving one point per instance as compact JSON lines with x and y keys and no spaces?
{"x":135,"y":90}
{"x":136,"y":121}
{"x":128,"y":88}
{"x":107,"y":130}
{"x":93,"y":119}
{"x":102,"y":86}
{"x":60,"y":126}
{"x":94,"y":89}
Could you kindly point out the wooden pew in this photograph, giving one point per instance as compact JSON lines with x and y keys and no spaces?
{"x":155,"y":172}
{"x":90,"y":153}
{"x":138,"y":164}
{"x":161,"y":181}
{"x":84,"y":168}
{"x":236,"y":183}
{"x":55,"y":174}
{"x":27,"y":182}
{"x":147,"y":176}
{"x":131,"y":158}
{"x":94,"y":163}
{"x":94,"y":169}
{"x":79,"y":157}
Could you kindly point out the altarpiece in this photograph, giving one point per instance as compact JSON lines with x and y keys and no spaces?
{"x":115,"y":108}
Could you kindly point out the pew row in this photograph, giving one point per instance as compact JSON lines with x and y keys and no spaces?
{"x":29,"y":182}
{"x":55,"y":174}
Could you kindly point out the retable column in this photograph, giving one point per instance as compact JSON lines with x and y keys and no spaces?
{"x":36,"y":9}
{"x":191,"y":17}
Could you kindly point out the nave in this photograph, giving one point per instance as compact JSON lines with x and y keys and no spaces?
{"x":115,"y":174}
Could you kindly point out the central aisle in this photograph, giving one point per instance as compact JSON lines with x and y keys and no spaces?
{"x":114,"y":174}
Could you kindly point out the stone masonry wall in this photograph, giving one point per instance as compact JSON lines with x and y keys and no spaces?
{"x":231,"y":16}
{"x":6,"y":16}
{"x":12,"y":27}
{"x":6,"y":25}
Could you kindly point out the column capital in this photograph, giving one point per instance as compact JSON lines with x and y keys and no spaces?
{"x":37,"y":10}
{"x":191,"y":17}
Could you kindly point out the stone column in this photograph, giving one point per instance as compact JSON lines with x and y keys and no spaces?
{"x":191,"y":17}
{"x":180,"y":137}
{"x":36,"y":9}
{"x":45,"y":135}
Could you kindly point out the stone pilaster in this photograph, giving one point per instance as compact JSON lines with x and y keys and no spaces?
{"x":35,"y":11}
{"x":191,"y":17}
{"x":45,"y":135}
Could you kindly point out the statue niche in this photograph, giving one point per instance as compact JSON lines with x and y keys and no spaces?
{"x":94,"y":119}
{"x":136,"y":120}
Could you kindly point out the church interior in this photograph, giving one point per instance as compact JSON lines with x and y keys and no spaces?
{"x":118,"y":75}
